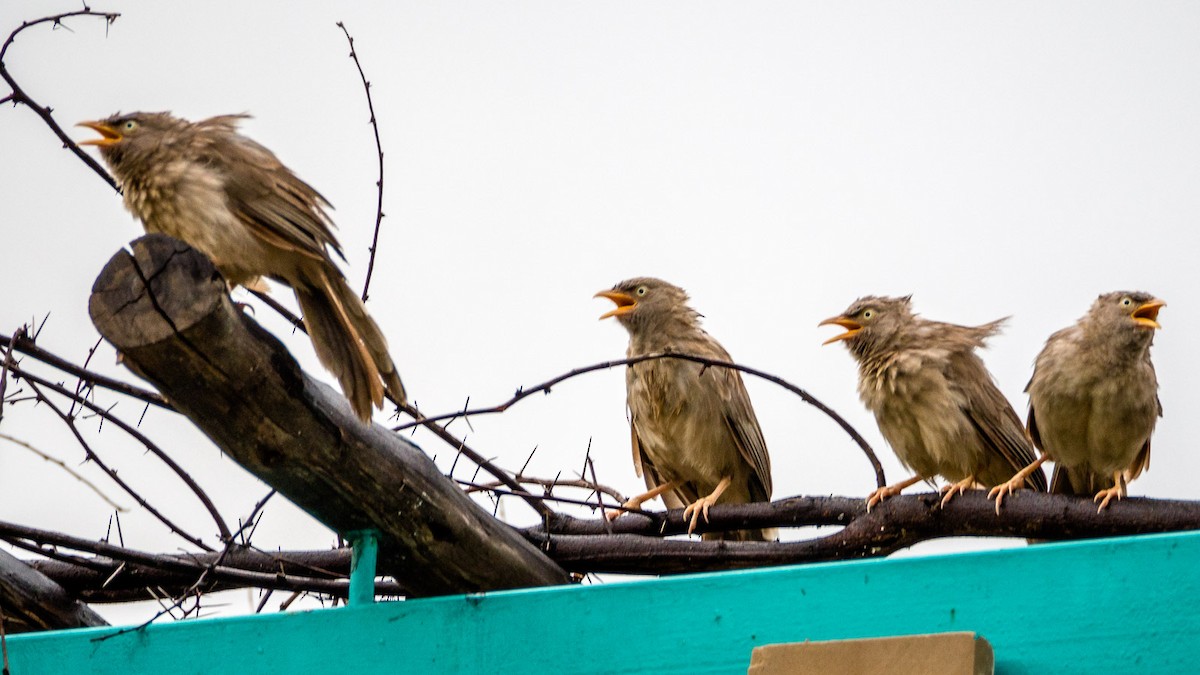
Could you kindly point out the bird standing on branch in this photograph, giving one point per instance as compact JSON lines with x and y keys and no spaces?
{"x":1093,"y":399}
{"x":934,"y":400}
{"x":232,"y":199}
{"x":695,"y":436}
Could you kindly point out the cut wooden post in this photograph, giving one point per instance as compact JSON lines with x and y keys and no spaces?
{"x":32,"y":602}
{"x":166,"y":309}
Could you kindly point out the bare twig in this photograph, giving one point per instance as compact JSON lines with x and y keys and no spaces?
{"x":63,"y":465}
{"x":581,"y":483}
{"x":200,"y":585}
{"x":379,"y":151}
{"x":523,"y":393}
{"x":20,"y":332}
{"x":25,"y":345}
{"x":151,"y":446}
{"x":552,"y":515}
{"x":37,"y":541}
{"x":18,"y":94}
{"x":92,"y":456}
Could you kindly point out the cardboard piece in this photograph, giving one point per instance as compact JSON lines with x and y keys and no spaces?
{"x":947,"y":653}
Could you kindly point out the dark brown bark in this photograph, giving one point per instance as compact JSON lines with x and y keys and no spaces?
{"x":30,"y":601}
{"x":165,"y":308}
{"x":101,"y":579}
{"x":635,"y":546}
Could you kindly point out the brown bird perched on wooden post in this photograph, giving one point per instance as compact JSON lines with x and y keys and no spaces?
{"x":695,"y":436}
{"x":934,"y":400}
{"x":233,"y":200}
{"x":1093,"y":399}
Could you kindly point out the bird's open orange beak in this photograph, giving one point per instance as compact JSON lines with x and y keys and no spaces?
{"x":1147,"y":314}
{"x":108,"y":135}
{"x":624,"y":301}
{"x":852,"y":327}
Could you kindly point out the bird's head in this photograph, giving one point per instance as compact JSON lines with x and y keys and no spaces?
{"x":1132,"y":313}
{"x":645,"y":302}
{"x":127,"y":138}
{"x":871,"y":322}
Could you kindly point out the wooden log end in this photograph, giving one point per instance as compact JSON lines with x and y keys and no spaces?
{"x":139,"y":297}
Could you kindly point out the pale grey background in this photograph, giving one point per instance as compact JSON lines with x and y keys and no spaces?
{"x":776,"y":159}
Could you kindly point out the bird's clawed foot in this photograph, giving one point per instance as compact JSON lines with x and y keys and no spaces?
{"x":633,"y":503}
{"x":636,"y":502}
{"x":881,"y":494}
{"x":1117,"y":490}
{"x":701,"y":505}
{"x":1015,"y":483}
{"x":960,"y":487}
{"x":695,"y":508}
{"x":886,"y":491}
{"x":1000,"y":491}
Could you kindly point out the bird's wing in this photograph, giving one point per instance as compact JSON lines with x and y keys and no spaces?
{"x":1031,"y":425}
{"x":993,"y":417}
{"x":1140,"y":463}
{"x":675,"y":499}
{"x":743,"y":425}
{"x":278,"y":207}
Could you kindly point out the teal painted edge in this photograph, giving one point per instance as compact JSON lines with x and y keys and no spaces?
{"x":364,"y":548}
{"x":1112,"y":605}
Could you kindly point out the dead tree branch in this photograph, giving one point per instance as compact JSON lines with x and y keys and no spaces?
{"x":636,"y":547}
{"x":242,"y":568}
{"x":379,"y":151}
{"x":152,"y":447}
{"x":166,"y":309}
{"x":23,"y":344}
{"x":33,"y":602}
{"x":545,"y":387}
{"x":18,"y":94}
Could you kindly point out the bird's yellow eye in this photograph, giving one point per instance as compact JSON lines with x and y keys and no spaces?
{"x":129,"y":125}
{"x":1126,"y":302}
{"x":641,"y":290}
{"x":867,"y":313}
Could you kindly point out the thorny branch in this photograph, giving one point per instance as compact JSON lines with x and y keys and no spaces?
{"x":18,"y":94}
{"x":201,"y":584}
{"x":523,"y":393}
{"x":112,"y":474}
{"x":7,"y":363}
{"x":20,"y":342}
{"x":635,"y":546}
{"x":152,"y":447}
{"x":68,"y":470}
{"x":551,"y":483}
{"x":379,"y":151}
{"x":45,"y":542}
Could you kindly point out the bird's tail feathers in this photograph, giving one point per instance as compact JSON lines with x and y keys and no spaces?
{"x":349,"y":343}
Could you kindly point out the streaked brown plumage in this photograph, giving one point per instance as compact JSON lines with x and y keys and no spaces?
{"x":934,"y":400}
{"x":695,"y":435}
{"x":1093,"y":398}
{"x":231,"y":198}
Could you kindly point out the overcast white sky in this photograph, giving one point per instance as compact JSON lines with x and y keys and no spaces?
{"x":776,"y":159}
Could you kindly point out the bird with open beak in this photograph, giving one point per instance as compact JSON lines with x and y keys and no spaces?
{"x":696,"y":439}
{"x":934,"y":400}
{"x":1093,"y":399}
{"x":234,"y":201}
